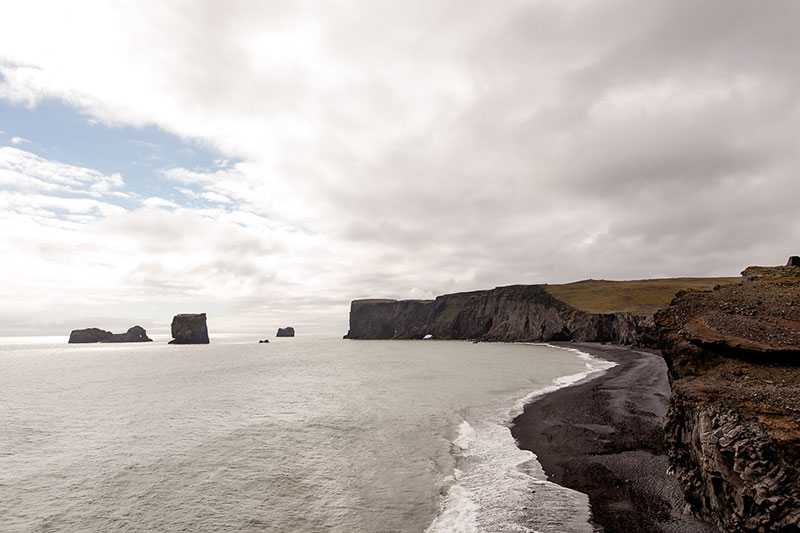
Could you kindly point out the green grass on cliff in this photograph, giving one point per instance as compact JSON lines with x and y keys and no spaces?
{"x":640,"y":297}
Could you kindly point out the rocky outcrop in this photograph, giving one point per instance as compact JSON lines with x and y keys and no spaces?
{"x":733,"y":425}
{"x":789,"y":272}
{"x":189,"y":329}
{"x":89,"y":335}
{"x":513,"y":313}
{"x":285,"y":332}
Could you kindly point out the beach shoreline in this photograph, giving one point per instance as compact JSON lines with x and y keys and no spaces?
{"x":604,"y":438}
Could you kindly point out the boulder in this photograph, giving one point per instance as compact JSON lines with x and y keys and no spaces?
{"x":89,"y":335}
{"x":189,"y":329}
{"x":794,"y":261}
{"x":285,"y":332}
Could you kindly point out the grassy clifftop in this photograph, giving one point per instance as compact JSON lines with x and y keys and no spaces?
{"x":640,"y":297}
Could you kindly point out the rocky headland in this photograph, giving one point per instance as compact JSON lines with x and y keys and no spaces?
{"x":733,"y":424}
{"x":189,"y":329}
{"x":513,"y":313}
{"x":89,"y":335}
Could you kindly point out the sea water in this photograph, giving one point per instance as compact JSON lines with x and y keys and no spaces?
{"x":301,"y":434}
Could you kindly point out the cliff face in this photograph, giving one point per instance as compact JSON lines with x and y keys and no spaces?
{"x":733,"y":425}
{"x":514,"y":313}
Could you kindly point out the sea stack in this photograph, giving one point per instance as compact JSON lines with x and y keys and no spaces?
{"x":285,"y":332}
{"x":89,"y":335}
{"x":189,"y":329}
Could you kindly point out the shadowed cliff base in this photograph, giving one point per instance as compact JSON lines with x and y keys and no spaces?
{"x":604,"y":438}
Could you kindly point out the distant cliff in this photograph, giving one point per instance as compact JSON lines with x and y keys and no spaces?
{"x":733,"y":425}
{"x":513,"y":313}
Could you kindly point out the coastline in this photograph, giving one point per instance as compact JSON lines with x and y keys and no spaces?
{"x":604,"y":438}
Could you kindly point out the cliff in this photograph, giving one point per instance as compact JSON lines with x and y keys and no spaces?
{"x":89,"y":335}
{"x":733,"y":425}
{"x":189,"y":329}
{"x":513,"y":313}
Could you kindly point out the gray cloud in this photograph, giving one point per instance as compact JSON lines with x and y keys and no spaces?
{"x":409,"y":149}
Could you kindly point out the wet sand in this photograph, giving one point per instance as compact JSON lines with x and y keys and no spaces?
{"x":603,"y":437}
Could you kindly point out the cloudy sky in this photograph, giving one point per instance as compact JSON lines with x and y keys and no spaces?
{"x":268,"y":162}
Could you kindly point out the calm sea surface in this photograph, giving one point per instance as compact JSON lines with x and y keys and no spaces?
{"x":302,"y":434}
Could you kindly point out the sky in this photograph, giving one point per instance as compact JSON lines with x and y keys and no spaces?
{"x":268,"y":162}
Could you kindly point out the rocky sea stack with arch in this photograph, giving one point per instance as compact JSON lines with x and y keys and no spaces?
{"x":89,"y":335}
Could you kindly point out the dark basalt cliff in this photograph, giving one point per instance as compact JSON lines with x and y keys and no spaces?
{"x":189,"y":329}
{"x":513,"y":313}
{"x":285,"y":332}
{"x":733,"y":425}
{"x":134,"y":334}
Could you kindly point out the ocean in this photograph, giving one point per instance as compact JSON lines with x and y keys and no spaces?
{"x":303,"y":434}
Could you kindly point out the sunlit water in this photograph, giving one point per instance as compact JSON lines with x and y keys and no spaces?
{"x":302,"y":434}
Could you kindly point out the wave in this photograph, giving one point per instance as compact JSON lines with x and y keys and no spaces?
{"x":495,"y":486}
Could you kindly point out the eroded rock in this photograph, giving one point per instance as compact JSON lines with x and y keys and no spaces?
{"x":285,"y":332}
{"x":89,"y":335}
{"x":189,"y":329}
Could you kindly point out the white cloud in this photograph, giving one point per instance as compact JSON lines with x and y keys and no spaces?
{"x":154,"y":202}
{"x":21,"y":170}
{"x":18,"y":140}
{"x":216,"y":197}
{"x":405,"y":149}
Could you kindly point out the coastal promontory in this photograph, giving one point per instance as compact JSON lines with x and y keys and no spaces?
{"x":593,"y":311}
{"x":90,"y":335}
{"x":733,"y":424}
{"x":189,"y":329}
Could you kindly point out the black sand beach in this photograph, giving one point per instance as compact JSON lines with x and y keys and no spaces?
{"x":603,"y":438}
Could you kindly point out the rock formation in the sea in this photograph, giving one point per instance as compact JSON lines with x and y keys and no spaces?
{"x":263,"y":341}
{"x":285,"y":332}
{"x":189,"y":329}
{"x":513,"y":313}
{"x":733,"y":426}
{"x":134,"y":334}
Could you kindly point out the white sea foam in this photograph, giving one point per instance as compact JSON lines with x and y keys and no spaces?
{"x":498,"y":487}
{"x":458,"y":512}
{"x":466,"y":435}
